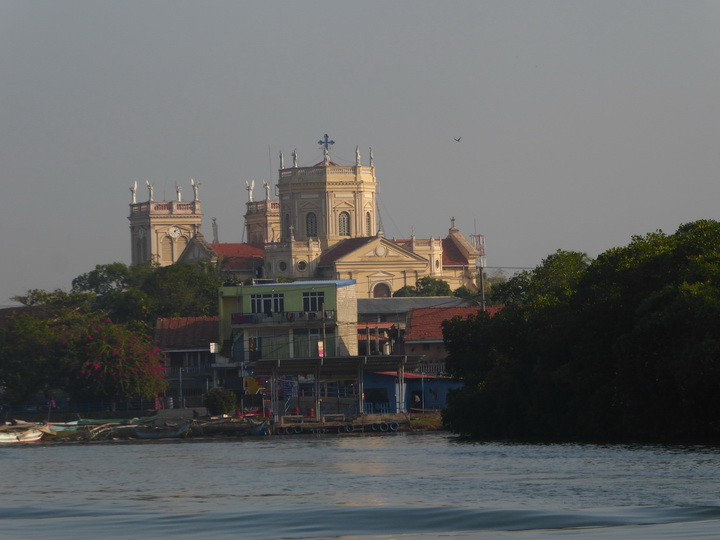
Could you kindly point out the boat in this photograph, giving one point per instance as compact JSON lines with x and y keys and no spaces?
{"x":25,"y":435}
{"x":165,"y":432}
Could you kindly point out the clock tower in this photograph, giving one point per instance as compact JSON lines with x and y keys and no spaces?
{"x":160,"y":230}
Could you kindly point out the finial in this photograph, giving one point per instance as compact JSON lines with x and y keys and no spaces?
{"x":151,"y":190}
{"x":266,"y":185}
{"x":178,"y":189}
{"x":250,"y":185}
{"x":357,"y":156}
{"x":215,"y":231}
{"x":133,"y":190}
{"x":452,"y":222}
{"x":295,"y":158}
{"x":372,"y":160}
{"x":282,"y":160}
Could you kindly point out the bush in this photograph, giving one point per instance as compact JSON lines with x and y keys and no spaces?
{"x":220,"y":401}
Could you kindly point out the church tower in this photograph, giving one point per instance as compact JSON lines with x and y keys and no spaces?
{"x":318,"y":207}
{"x":262,"y":218}
{"x":327,"y":202}
{"x":160,"y":231}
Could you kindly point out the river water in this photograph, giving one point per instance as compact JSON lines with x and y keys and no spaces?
{"x":389,"y":486}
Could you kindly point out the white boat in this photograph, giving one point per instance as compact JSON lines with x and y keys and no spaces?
{"x":25,"y":435}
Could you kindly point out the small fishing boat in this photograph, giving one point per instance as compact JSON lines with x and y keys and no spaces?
{"x":25,"y":435}
{"x":164,"y":432}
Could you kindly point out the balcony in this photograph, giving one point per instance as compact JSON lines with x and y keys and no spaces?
{"x":286,"y":317}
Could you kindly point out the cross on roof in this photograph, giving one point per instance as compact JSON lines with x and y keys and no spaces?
{"x":326,"y":142}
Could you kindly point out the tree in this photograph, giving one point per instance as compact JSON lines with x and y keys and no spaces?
{"x":426,"y":286}
{"x":62,"y":343}
{"x":622,"y":347}
{"x":140,"y":294}
{"x":220,"y":401}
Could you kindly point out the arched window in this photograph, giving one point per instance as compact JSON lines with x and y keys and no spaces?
{"x":311,"y":225}
{"x":368,"y":224}
{"x":381,"y":290}
{"x":344,"y":224}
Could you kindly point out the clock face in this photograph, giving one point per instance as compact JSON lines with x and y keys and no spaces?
{"x":174,"y":231}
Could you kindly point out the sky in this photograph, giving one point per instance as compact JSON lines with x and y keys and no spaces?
{"x":581,"y":124}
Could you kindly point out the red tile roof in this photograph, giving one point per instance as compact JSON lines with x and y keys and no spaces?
{"x":187,"y":332}
{"x":426,"y":323}
{"x":239,"y":256}
{"x":452,"y":256}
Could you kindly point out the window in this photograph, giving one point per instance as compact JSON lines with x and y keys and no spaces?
{"x":381,"y":290}
{"x":311,"y":225}
{"x":344,"y":224}
{"x":313,"y":301}
{"x":302,"y":265}
{"x":283,"y":266}
{"x":368,"y":224}
{"x":267,"y":303}
{"x":286,"y":226}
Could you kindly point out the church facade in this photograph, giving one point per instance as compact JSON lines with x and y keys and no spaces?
{"x":322,"y":225}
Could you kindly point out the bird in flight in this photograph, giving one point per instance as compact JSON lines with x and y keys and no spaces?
{"x":458,"y":139}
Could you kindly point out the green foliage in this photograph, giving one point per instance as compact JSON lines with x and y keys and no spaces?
{"x":464,"y":292}
{"x":220,"y":401}
{"x":62,"y":343}
{"x":139,"y":294}
{"x":426,"y":286}
{"x":621,"y":348}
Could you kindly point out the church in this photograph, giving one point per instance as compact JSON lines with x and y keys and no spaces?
{"x":322,"y":223}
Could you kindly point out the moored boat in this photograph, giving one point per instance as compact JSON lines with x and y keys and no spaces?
{"x":24,"y":435}
{"x":166,"y":432}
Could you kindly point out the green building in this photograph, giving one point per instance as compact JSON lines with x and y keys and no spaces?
{"x":303,"y":319}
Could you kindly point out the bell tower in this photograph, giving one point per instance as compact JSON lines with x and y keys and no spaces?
{"x":328,"y":202}
{"x":160,"y":230}
{"x":317,"y":207}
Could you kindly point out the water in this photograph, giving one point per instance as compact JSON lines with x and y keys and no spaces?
{"x":394,"y":486}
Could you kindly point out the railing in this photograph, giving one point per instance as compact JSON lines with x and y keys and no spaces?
{"x":171,"y":207}
{"x":435,"y":368}
{"x":282,"y":317}
{"x":323,"y":170}
{"x":259,"y":207}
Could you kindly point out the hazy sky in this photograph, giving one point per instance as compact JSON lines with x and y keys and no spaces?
{"x":582,"y":122}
